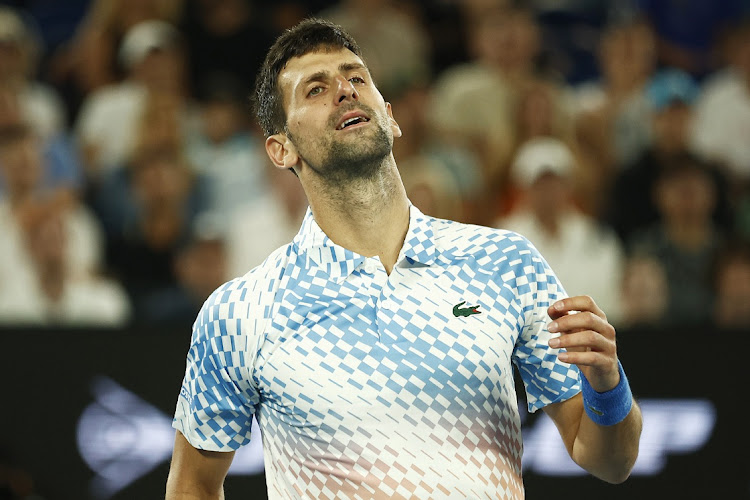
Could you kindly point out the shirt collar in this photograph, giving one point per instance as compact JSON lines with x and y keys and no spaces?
{"x":340,"y":262}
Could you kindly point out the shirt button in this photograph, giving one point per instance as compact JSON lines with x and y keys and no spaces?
{"x":369,"y":267}
{"x":388,"y":305}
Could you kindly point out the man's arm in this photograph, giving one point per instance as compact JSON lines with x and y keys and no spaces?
{"x":606,"y":451}
{"x":196,"y":474}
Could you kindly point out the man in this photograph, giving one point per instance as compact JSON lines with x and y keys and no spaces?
{"x":376,"y":349}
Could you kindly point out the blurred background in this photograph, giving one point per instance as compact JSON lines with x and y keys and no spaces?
{"x":134,"y":181}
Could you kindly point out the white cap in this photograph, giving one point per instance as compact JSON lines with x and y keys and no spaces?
{"x":145,"y":37}
{"x":541,"y":155}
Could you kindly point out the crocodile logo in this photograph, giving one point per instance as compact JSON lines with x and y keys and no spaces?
{"x":600,"y":413}
{"x":465,"y":311}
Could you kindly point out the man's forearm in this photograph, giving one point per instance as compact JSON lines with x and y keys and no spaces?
{"x":609,"y":452}
{"x":177,"y":491}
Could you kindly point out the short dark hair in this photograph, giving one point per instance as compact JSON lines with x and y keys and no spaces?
{"x":310,"y":35}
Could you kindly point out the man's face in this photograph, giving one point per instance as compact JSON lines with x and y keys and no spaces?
{"x":337,"y":121}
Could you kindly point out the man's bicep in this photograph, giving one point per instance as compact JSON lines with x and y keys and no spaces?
{"x":196,"y":473}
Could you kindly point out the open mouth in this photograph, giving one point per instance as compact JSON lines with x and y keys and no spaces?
{"x":351,"y":121}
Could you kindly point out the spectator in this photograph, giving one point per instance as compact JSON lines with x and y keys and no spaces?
{"x":156,"y":128}
{"x":22,"y":166}
{"x":671,"y":93}
{"x":472,"y":104}
{"x":685,"y":241}
{"x":613,"y":113}
{"x":225,"y":149}
{"x":40,"y":104}
{"x":90,"y":60}
{"x":38,"y":250}
{"x":539,"y":112}
{"x":722,"y":111}
{"x":167,"y":199}
{"x":225,"y":37}
{"x":577,"y":247}
{"x":644,"y":293}
{"x":200,"y":267}
{"x":153,"y":54}
{"x":55,"y":297}
{"x":61,"y":166}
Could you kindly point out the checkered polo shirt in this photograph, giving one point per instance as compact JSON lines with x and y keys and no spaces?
{"x":369,"y":385}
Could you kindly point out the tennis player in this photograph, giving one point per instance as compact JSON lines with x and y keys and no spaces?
{"x":377,"y":349}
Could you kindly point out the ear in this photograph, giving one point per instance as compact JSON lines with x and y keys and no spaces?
{"x":394,"y":126}
{"x":282,"y":152}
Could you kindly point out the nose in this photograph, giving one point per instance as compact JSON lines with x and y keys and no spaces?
{"x":345,"y":90}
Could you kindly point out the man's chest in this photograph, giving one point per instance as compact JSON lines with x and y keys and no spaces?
{"x":376,"y":346}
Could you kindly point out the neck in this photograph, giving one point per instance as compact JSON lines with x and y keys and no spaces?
{"x":549,"y":222}
{"x":689,"y":235}
{"x":368,"y":216}
{"x":52,"y":281}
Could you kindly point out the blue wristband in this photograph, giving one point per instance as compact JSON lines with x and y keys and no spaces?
{"x":611,"y":407}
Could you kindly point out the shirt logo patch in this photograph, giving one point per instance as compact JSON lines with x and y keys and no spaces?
{"x":465,"y":311}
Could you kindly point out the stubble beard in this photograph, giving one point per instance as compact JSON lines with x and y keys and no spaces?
{"x":359,"y":159}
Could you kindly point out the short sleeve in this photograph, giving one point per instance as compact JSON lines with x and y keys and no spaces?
{"x":218,"y":396}
{"x":546,"y":379}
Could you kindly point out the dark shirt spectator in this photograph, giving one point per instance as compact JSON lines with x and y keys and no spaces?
{"x":685,"y":241}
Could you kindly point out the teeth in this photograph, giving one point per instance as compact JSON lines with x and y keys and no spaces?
{"x":353,"y":120}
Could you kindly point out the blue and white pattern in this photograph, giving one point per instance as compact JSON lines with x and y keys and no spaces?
{"x":366,"y":385}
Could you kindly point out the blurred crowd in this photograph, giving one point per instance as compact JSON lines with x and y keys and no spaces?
{"x":614,"y":135}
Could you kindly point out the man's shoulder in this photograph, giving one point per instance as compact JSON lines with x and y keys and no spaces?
{"x":470,"y":240}
{"x":250,"y":296}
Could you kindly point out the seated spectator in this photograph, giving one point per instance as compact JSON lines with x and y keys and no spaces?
{"x":722,"y":111}
{"x":732,"y":287}
{"x":153,"y":54}
{"x":167,"y":197}
{"x":89,"y":61}
{"x":644,"y":293}
{"x":61,"y":166}
{"x":685,"y":241}
{"x":50,"y":253}
{"x":22,"y":165}
{"x":613,"y":113}
{"x":200,"y":266}
{"x":577,"y":247}
{"x":39,"y":104}
{"x":224,"y":149}
{"x":157,"y":128}
{"x":471,"y":104}
{"x":55,"y":297}
{"x":539,"y":112}
{"x":226,"y":37}
{"x":631,"y":205}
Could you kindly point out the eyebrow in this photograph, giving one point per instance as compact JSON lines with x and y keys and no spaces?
{"x":343,"y":68}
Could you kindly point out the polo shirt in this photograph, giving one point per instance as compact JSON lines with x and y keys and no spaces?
{"x":369,"y":385}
